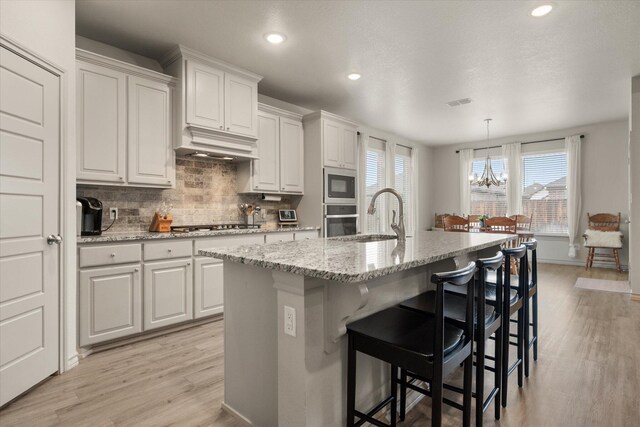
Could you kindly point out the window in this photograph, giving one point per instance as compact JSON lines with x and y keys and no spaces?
{"x":490,"y":201}
{"x":544,"y":191}
{"x":402,"y":182}
{"x":375,"y":164}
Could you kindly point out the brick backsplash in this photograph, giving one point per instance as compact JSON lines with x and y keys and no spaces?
{"x":205,"y":193}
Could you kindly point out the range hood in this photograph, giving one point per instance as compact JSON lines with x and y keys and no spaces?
{"x":216,"y":144}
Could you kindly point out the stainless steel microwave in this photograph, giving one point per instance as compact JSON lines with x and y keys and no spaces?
{"x":340,"y":186}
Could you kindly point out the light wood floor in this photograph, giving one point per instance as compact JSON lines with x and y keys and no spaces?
{"x":587,"y":374}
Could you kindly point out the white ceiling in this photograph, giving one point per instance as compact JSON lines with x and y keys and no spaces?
{"x":567,"y":69}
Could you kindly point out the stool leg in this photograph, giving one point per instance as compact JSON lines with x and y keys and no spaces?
{"x":520,"y":343}
{"x":480,"y":351}
{"x":535,"y":325}
{"x":394,"y":394}
{"x":525,"y":335}
{"x":497,"y":374}
{"x":586,"y":265}
{"x":615,"y":254}
{"x":467,"y":390}
{"x":351,"y":382}
{"x":403,"y":393}
{"x":505,"y":355}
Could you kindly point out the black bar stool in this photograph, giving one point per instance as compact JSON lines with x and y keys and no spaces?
{"x":488,"y":321}
{"x":424,"y":345}
{"x":531,"y":312}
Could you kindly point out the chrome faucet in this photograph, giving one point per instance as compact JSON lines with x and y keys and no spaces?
{"x":399,"y":227}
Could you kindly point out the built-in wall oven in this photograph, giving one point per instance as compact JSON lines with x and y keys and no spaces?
{"x":340,"y":220}
{"x":339,"y":186}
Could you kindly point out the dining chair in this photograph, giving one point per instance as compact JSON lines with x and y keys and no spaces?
{"x":474,"y":222}
{"x":603,"y":233}
{"x":439,"y":220}
{"x":500,"y":224}
{"x":456,"y":223}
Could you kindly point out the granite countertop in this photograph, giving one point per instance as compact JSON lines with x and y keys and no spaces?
{"x":345,"y":259}
{"x":150,"y":235}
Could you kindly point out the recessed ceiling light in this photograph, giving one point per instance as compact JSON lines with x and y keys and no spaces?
{"x":275,"y":38}
{"x":354,"y":76}
{"x":541,"y":10}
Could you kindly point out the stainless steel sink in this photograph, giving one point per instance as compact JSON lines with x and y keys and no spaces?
{"x":374,"y":238}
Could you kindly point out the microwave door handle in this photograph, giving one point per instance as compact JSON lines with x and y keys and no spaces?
{"x":342,"y":216}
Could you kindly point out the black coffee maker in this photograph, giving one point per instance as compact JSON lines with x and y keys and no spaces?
{"x":91,"y":216}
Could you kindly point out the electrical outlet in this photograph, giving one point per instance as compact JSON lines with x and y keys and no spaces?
{"x":113,"y":213}
{"x":289,"y":321}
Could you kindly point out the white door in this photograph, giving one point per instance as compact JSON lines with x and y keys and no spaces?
{"x":208,"y":287}
{"x":331,"y":141}
{"x":110,"y":303}
{"x":266,"y":168}
{"x":241,"y":105}
{"x":168,"y":293}
{"x":205,"y":96}
{"x":349,"y":148}
{"x":29,"y":212}
{"x":291,"y":156}
{"x":101,"y":127}
{"x":150,"y":149}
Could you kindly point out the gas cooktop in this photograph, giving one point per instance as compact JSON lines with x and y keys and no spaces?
{"x":211,"y":227}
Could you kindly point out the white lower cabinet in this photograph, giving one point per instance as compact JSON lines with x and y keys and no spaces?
{"x":110,"y":303}
{"x":208,"y":289}
{"x":168,"y":293}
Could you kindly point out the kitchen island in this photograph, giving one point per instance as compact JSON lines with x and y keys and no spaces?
{"x":286,"y":310}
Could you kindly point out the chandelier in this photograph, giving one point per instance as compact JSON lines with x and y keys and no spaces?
{"x":488,"y":177}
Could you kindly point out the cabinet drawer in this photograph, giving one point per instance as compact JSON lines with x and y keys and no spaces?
{"x":306,"y":235}
{"x":167,"y":250}
{"x":279,"y":237}
{"x":229,"y":241}
{"x":111,"y":254}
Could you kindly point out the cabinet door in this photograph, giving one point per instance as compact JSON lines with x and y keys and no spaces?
{"x":110,"y":303}
{"x":208,"y":287}
{"x":100,"y":124}
{"x":291,"y":156}
{"x":205,"y":96}
{"x":168,"y":293}
{"x":266,"y":175}
{"x":331,"y":133}
{"x":241,"y":105}
{"x":150,"y":148}
{"x":349,"y":148}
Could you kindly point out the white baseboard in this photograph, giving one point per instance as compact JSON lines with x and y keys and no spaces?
{"x":72,"y":362}
{"x":235,"y":414}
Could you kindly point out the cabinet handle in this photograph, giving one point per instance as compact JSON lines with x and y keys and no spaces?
{"x":228,"y":128}
{"x":188,"y":263}
{"x":136,"y":269}
{"x":220,"y":127}
{"x":168,"y":181}
{"x":113,"y":254}
{"x":121,"y":178}
{"x":169,"y":250}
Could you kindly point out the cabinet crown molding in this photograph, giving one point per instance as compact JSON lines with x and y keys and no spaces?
{"x":265,"y":108}
{"x":181,"y":51}
{"x":327,"y":115}
{"x":125,"y":67}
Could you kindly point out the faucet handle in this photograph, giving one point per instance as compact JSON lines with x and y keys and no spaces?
{"x":393,"y":217}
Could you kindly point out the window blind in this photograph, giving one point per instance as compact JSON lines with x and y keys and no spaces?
{"x":402,"y":182}
{"x":490,"y":201}
{"x":375,"y":165}
{"x":544,"y":191}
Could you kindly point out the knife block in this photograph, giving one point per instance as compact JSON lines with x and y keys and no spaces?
{"x":161,"y":224}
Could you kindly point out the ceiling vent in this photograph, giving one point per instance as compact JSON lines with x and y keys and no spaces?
{"x":459,"y":102}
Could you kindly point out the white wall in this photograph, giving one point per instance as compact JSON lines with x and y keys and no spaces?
{"x":634,"y":191}
{"x":604,"y":182}
{"x":47,"y":28}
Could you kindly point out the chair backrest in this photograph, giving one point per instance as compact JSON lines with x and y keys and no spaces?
{"x":493,"y":263}
{"x":439,"y":220}
{"x":456,"y":223}
{"x":474,"y":221}
{"x":604,"y":222}
{"x":523,"y":222}
{"x":500,"y":224}
{"x":532,"y":245}
{"x":517,"y":253}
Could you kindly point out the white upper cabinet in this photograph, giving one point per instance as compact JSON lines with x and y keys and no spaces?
{"x":291,"y":156}
{"x":216,"y":103}
{"x":340,"y":144}
{"x":101,"y":125}
{"x":124,"y":116}
{"x":241,"y":105}
{"x":279,"y":167}
{"x":151,"y":157}
{"x":205,"y":95}
{"x":266,"y":169}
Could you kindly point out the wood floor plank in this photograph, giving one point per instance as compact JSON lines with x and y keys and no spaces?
{"x":588,"y":372}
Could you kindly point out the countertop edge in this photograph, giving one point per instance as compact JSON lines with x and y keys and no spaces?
{"x":124,"y":237}
{"x":342,"y":277}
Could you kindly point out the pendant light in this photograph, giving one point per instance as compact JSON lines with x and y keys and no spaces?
{"x":488,"y":177}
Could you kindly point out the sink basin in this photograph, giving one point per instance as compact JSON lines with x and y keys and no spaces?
{"x":374,"y":238}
